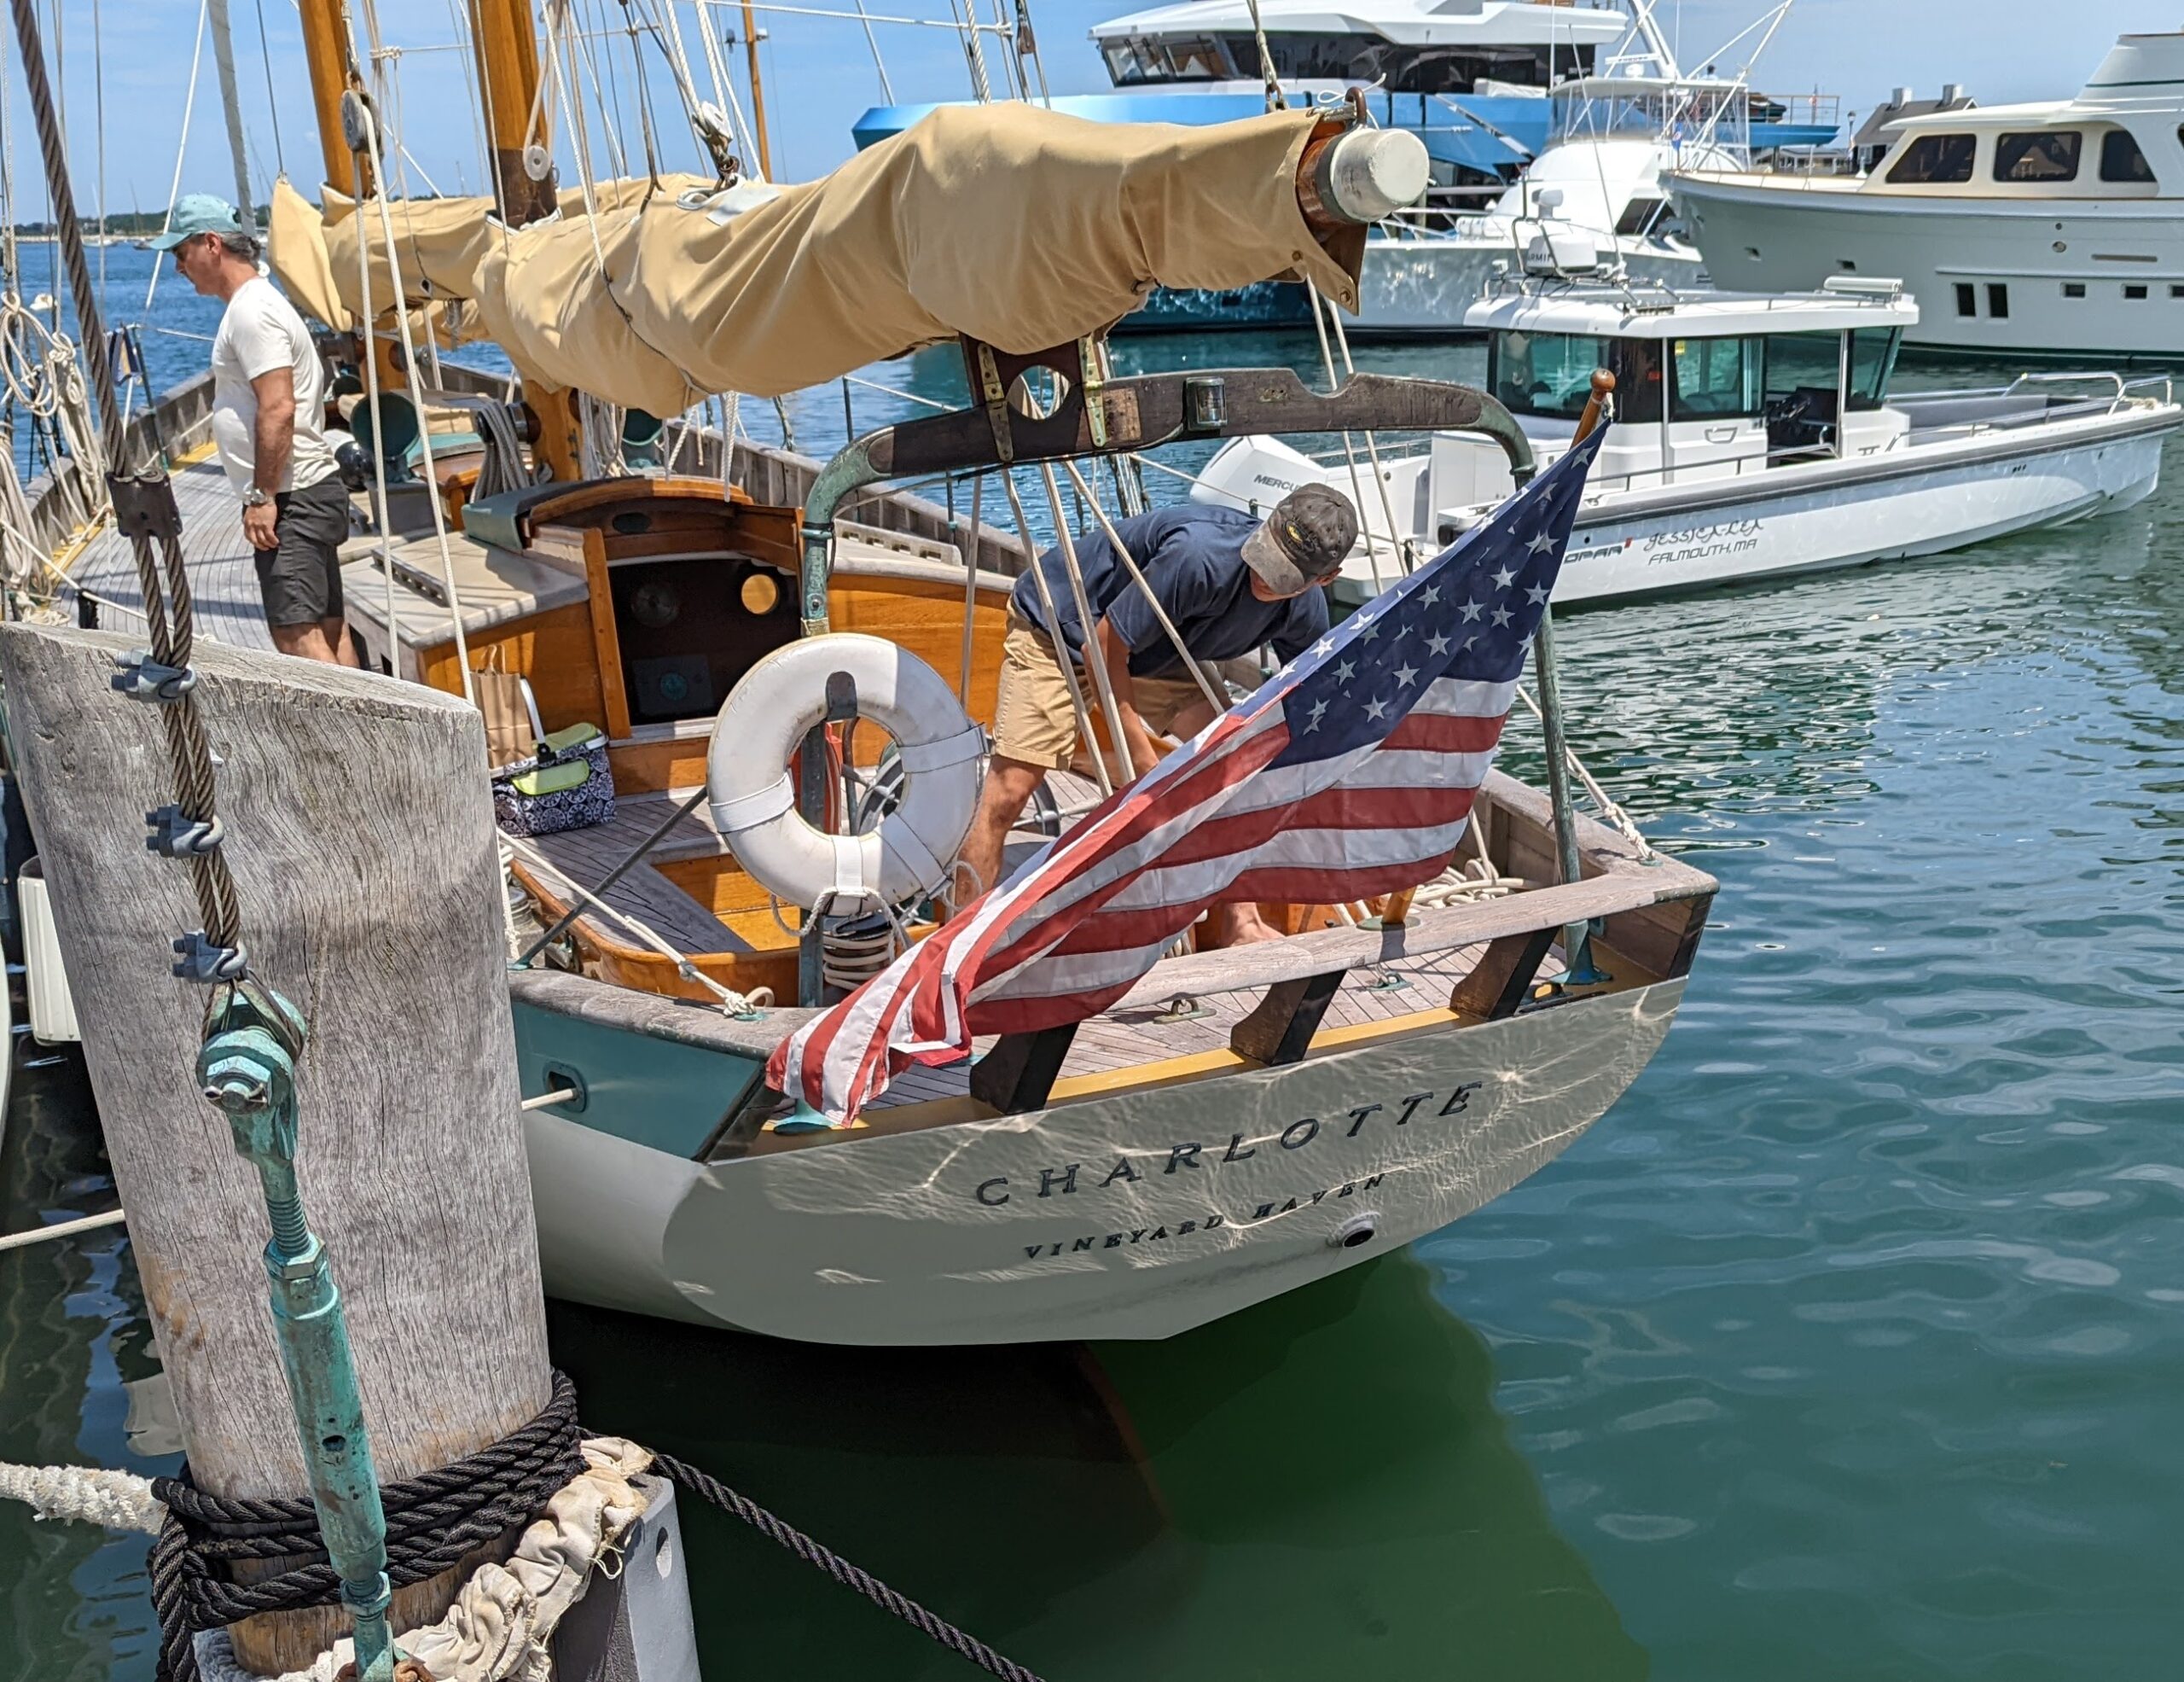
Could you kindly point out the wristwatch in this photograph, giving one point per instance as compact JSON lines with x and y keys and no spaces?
{"x":257,"y":496}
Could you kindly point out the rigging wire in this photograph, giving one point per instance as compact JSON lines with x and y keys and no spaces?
{"x":98,"y":114}
{"x":272,"y":105}
{"x":181,"y":148}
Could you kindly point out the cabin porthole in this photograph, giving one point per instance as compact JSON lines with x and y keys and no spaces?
{"x":1357,"y":1232}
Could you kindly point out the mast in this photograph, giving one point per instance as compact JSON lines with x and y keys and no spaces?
{"x":758,"y":90}
{"x":326,"y":50}
{"x":507,"y":76}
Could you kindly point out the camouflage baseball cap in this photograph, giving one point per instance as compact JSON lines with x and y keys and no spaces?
{"x":1303,"y":541}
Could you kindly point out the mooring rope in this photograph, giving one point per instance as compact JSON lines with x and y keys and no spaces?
{"x":848,"y":1575}
{"x":433,"y":1521}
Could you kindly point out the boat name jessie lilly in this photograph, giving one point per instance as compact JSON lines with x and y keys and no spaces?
{"x":1065,"y":1180}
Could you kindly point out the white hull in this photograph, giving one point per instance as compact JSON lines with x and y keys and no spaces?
{"x":1792,"y":235}
{"x":1424,"y":286}
{"x":1809,"y":519}
{"x":1030,"y":1227}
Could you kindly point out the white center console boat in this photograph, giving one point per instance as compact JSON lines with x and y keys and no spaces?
{"x":1756,"y":435}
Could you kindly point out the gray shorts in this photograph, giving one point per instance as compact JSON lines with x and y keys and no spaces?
{"x":299,"y":579}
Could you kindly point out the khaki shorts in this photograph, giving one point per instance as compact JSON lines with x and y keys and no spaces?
{"x":1033,"y":719}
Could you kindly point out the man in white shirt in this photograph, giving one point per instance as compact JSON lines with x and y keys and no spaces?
{"x":269,"y":409}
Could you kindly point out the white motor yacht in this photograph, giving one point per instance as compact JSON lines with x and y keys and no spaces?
{"x":2051,"y":228}
{"x":1756,"y":435}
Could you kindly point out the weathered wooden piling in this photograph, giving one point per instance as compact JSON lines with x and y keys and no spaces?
{"x":360,"y":835}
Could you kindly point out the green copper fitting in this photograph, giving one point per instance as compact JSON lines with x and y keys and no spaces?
{"x":246,"y":1069}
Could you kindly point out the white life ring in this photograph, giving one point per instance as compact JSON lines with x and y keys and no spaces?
{"x":763,"y":722}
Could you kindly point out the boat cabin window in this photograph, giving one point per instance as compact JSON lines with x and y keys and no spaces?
{"x":2039,"y":155}
{"x":1935,"y":159}
{"x":1181,"y":58}
{"x":1301,"y":55}
{"x":2121,"y":160}
{"x":1550,"y":375}
{"x":1640,"y":217}
{"x":1715,"y":379}
{"x":1872,"y":362}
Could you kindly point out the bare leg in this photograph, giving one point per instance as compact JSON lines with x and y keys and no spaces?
{"x":338,"y":640}
{"x":1008,"y":785}
{"x":307,"y":641}
{"x":1242,"y":925}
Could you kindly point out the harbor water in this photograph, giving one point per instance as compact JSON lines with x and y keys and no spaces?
{"x":1847,"y":1345}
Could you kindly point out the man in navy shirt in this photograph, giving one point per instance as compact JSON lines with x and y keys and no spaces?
{"x":1228,"y":583}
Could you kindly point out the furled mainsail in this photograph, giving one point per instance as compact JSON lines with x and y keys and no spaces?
{"x":1017,"y":225}
{"x":1014,"y":224}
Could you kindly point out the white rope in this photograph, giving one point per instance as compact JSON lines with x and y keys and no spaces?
{"x":63,"y":1229}
{"x":1061,"y":648}
{"x":118,"y":1500}
{"x":1350,"y":454}
{"x":424,"y":431}
{"x":1371,"y":442}
{"x":736,"y":1004}
{"x":181,"y":148}
{"x":1218,"y":703}
{"x":1619,"y":819}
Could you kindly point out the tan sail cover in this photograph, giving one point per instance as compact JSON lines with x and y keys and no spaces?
{"x":440,"y":243}
{"x":295,"y":250}
{"x":1020,"y":226}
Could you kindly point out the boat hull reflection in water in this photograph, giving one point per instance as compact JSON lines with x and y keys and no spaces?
{"x":1139,"y":1213}
{"x":1320,"y":1486}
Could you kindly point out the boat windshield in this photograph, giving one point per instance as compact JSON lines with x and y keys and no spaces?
{"x":1550,"y":375}
{"x":1302,"y":56}
{"x":1799,"y":362}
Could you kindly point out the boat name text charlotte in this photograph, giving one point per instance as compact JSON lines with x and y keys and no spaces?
{"x":1193,"y":1156}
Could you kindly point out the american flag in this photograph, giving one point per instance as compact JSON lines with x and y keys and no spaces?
{"x":1351,"y":773}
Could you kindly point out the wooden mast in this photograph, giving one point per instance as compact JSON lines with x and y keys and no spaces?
{"x":326,"y":50}
{"x":507,"y":75}
{"x":758,"y":90}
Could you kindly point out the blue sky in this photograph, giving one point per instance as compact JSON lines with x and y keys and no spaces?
{"x":819,"y":74}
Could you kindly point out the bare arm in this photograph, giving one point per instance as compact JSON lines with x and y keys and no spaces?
{"x":273,"y":437}
{"x":1138,"y":740}
{"x":274,"y":433}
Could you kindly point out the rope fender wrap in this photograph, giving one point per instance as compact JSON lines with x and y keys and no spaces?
{"x":433,"y":1521}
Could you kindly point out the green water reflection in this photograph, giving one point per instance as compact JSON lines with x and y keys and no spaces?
{"x":1319,"y":1485}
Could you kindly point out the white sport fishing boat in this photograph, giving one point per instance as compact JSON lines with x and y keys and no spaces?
{"x":1758,"y":436}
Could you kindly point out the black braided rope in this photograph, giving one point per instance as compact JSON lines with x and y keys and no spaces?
{"x":432,"y":1521}
{"x":848,"y":1575}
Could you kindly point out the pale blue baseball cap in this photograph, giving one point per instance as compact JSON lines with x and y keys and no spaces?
{"x":196,"y":213}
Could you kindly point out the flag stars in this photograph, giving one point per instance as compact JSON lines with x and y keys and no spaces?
{"x":1542,"y":545}
{"x":1437,"y":644}
{"x":1375,"y":710}
{"x":1505,"y":578}
{"x":1429,"y":596}
{"x":1405,"y":676}
{"x":1472,"y":611}
{"x":1501,"y":616}
{"x":1538,"y":593}
{"x":1345,"y":672}
{"x":1319,"y":708}
{"x":1323,"y":647}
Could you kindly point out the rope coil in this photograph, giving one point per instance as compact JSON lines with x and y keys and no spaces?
{"x":433,"y":1521}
